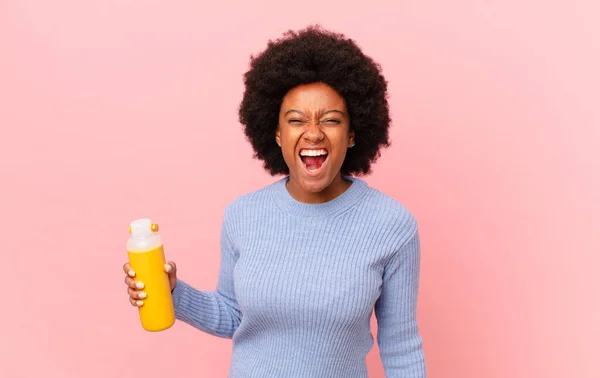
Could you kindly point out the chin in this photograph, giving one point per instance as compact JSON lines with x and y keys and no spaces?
{"x":315,"y":185}
{"x":312,"y":183}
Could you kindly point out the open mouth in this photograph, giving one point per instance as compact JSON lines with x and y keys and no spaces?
{"x":313,"y":159}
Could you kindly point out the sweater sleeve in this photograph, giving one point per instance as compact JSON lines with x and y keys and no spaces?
{"x":214,"y":312}
{"x":400,"y":344}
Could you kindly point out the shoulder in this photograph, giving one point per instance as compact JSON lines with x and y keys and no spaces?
{"x":249,"y":202}
{"x":390,"y":215}
{"x":384,"y":205}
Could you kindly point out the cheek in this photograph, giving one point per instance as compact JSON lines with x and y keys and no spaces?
{"x":340,"y":142}
{"x":288,"y":144}
{"x":288,"y":152}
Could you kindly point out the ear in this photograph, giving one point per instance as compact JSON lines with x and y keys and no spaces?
{"x":278,"y":136}
{"x":351,"y":138}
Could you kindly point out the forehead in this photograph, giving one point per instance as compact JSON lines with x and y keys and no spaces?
{"x":315,"y":96}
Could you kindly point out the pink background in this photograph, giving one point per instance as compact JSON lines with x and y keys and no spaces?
{"x":112,"y":110}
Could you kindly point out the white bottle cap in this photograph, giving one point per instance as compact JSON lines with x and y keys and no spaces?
{"x":141,"y":228}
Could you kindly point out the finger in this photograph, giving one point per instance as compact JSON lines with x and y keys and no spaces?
{"x":133,"y":283}
{"x":136,"y":303}
{"x":170,"y":268}
{"x":136,"y":294}
{"x":127,"y":269}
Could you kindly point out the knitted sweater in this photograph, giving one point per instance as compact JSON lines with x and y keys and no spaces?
{"x":298,"y":284}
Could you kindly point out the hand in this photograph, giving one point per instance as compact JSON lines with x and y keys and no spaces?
{"x":135,"y":288}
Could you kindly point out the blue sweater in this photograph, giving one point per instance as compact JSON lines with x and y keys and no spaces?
{"x":298,"y":284}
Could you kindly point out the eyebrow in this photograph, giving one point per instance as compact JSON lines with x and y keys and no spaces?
{"x":328,"y":111}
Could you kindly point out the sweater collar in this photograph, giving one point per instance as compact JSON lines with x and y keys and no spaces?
{"x":335,"y":206}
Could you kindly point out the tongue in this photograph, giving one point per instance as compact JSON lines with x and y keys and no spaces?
{"x":314,"y":161}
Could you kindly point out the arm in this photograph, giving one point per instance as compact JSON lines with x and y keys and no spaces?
{"x":217,"y":312}
{"x":400,"y":344}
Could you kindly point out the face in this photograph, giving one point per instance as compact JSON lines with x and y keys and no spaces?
{"x":314,"y":134}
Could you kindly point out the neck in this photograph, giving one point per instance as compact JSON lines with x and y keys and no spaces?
{"x":334,"y":189}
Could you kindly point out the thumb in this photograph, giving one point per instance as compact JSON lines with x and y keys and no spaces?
{"x":171,"y":268}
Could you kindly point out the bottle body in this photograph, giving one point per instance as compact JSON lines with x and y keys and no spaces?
{"x":147,"y":259}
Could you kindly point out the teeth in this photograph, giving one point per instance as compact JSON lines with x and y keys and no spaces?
{"x":313,"y":152}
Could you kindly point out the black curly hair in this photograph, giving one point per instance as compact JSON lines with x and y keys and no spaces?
{"x":308,"y":56}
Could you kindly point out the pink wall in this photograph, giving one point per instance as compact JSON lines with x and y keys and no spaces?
{"x":111,"y":110}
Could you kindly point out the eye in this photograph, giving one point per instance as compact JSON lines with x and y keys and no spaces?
{"x":295,"y":121}
{"x":332,"y":121}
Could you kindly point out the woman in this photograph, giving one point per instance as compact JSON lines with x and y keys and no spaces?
{"x":305,"y":261}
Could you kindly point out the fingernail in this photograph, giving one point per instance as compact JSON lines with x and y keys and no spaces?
{"x":131,"y":273}
{"x":139,"y":303}
{"x":168,"y":267}
{"x":142,"y":295}
{"x":139,"y":285}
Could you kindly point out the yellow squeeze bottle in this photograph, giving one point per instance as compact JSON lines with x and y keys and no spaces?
{"x":147,"y":259}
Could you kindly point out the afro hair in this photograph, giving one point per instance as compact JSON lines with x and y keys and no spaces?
{"x":308,"y":56}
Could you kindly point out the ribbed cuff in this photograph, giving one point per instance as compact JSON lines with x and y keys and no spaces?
{"x":199,"y":309}
{"x":180,"y":288}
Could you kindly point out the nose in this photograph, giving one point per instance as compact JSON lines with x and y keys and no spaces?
{"x":313,"y":132}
